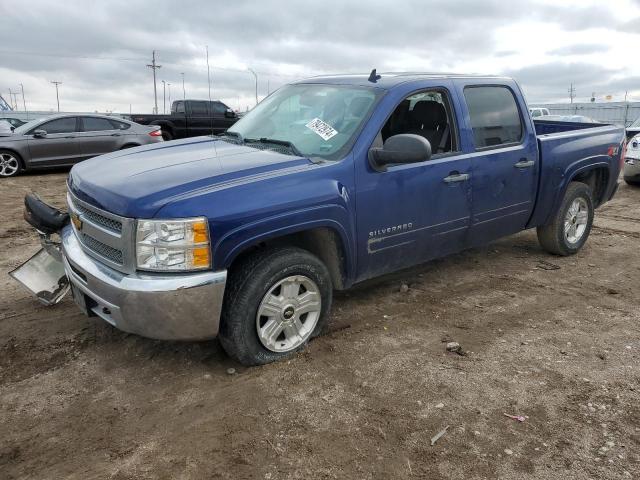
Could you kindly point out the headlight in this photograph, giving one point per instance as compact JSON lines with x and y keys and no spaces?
{"x":173,"y":245}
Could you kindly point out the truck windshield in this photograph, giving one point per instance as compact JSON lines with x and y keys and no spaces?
{"x":315,"y":120}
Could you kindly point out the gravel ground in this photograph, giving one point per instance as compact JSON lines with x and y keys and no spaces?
{"x":559,"y":346}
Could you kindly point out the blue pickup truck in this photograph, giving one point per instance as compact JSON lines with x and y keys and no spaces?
{"x":327,"y":182}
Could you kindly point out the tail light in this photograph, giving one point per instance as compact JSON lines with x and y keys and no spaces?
{"x":156,"y":133}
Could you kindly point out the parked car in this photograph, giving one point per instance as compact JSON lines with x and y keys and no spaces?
{"x":14,"y":122}
{"x":326,"y":183}
{"x":633,"y":129}
{"x":5,"y":127}
{"x":632,"y":162}
{"x":191,"y":118}
{"x":538,"y":112}
{"x":67,"y":139}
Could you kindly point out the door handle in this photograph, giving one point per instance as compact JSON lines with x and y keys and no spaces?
{"x":71,"y":136}
{"x":524,"y":163}
{"x":116,"y":135}
{"x":456,"y":177}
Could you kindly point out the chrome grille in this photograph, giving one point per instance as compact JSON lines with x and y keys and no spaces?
{"x":106,"y":222}
{"x":103,"y":235}
{"x":106,"y":251}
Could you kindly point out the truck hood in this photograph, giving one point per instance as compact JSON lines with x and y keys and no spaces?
{"x":138,"y":182}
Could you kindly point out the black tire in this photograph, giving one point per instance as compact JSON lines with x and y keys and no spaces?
{"x":247,"y":285}
{"x":633,"y":183}
{"x":9,"y":156}
{"x":552,"y":236}
{"x":166,"y":135}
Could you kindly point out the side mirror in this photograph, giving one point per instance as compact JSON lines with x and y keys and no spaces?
{"x":401,"y":148}
{"x":229,"y":113}
{"x":39,"y":133}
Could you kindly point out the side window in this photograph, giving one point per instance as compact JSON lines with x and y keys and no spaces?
{"x":179,"y":107}
{"x":117,"y":125}
{"x":199,"y":109}
{"x":61,"y":125}
{"x":427,"y":114}
{"x":536,"y":113}
{"x":94,"y":124}
{"x":494,"y":114}
{"x":217,"y":107}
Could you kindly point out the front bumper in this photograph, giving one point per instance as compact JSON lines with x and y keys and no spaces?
{"x":162,"y":306}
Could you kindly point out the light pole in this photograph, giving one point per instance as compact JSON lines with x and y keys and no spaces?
{"x":256,"y":77}
{"x":57,"y":96}
{"x":164,"y":97}
{"x":169,"y":88}
{"x":184,"y":93}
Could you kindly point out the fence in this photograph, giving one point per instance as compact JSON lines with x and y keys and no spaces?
{"x":619,"y":113}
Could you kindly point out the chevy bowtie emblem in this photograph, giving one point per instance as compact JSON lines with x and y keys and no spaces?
{"x":75,"y":219}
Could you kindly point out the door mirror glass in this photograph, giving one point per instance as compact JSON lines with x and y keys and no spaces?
{"x":39,"y":133}
{"x":401,"y":148}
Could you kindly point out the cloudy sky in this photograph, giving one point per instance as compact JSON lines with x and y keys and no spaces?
{"x":98,"y":50}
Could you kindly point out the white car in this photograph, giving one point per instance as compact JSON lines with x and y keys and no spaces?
{"x":538,"y":112}
{"x":632,"y":162}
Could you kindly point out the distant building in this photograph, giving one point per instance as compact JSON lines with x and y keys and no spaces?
{"x":4,"y":106}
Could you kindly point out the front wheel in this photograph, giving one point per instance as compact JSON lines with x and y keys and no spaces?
{"x":275,"y":302}
{"x":570,"y":226}
{"x":9,"y":164}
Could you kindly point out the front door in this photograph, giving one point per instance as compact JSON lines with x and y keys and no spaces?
{"x":199,"y":118}
{"x":58,"y":147}
{"x":504,"y":162}
{"x":412,"y":213}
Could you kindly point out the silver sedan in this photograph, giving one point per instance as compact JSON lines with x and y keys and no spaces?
{"x":62,"y":140}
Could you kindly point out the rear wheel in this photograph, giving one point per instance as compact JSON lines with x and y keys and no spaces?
{"x":10,"y":164}
{"x":166,"y":135}
{"x":570,"y":226}
{"x":275,"y":302}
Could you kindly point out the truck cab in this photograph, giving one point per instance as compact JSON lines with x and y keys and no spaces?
{"x":326,"y":183}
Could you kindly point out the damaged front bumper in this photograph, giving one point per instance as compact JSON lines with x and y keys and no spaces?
{"x":162,"y":306}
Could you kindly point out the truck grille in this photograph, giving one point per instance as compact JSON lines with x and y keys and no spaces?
{"x":105,"y":236}
{"x":100,"y":248}
{"x":113,"y":225}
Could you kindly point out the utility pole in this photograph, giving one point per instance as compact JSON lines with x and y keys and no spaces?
{"x":14,"y":102}
{"x":164,"y":97}
{"x":154,"y":66}
{"x":57,"y":96}
{"x":256,"y":77}
{"x":24,"y":103}
{"x":184,"y":93}
{"x":572,"y":93}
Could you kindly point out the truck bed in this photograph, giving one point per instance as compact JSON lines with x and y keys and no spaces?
{"x":548,"y":127}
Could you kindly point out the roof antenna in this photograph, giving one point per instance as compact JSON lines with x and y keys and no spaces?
{"x":373,"y":76}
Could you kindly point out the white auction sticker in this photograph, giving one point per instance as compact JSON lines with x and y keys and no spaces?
{"x":323,"y":129}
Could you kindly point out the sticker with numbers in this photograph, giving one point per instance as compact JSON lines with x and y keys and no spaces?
{"x":321,"y":128}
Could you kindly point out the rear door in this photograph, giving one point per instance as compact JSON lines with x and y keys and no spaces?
{"x":98,"y":136}
{"x":58,"y":147}
{"x":198,"y":117}
{"x":502,"y":145}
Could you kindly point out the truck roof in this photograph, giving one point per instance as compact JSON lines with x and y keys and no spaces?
{"x":389,"y":80}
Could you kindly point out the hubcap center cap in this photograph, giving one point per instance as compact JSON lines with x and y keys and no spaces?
{"x":288,"y":312}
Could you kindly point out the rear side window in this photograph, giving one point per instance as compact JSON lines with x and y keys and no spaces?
{"x":199,"y":108}
{"x":117,"y":125}
{"x":494,"y":115}
{"x":93,"y":124}
{"x":61,"y":125}
{"x":179,"y":107}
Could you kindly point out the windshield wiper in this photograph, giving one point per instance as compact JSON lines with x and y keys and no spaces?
{"x":275,"y":141}
{"x":231,"y":134}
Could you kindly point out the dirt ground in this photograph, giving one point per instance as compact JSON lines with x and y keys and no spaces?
{"x":560,"y":346}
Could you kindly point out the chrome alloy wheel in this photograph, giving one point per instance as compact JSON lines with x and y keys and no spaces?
{"x":576,"y":220}
{"x":8,"y":165}
{"x":288,"y":313}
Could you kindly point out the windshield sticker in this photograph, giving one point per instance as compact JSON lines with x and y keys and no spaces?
{"x":321,"y":128}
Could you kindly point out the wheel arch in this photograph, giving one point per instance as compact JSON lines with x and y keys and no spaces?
{"x":327,"y":241}
{"x":18,"y":155}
